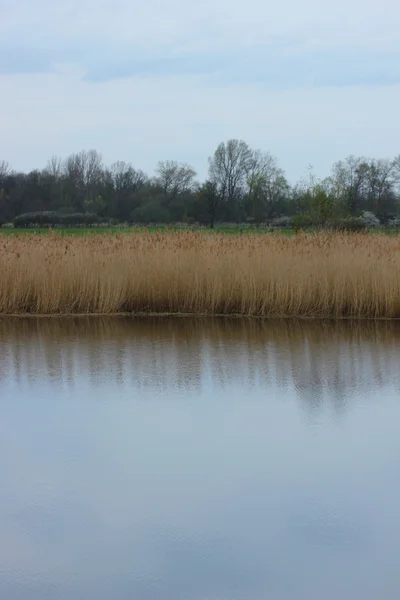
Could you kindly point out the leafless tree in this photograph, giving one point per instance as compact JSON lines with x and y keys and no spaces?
{"x":83,"y":172}
{"x":54,"y":167}
{"x":396,"y":169}
{"x":175,"y":178}
{"x":5,"y":170}
{"x":125,"y":177}
{"x":265,"y":179}
{"x":229,"y":167}
{"x":349,"y":180}
{"x":369,"y":182}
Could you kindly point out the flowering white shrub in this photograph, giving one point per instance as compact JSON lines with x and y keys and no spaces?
{"x":282,"y":222}
{"x":369,"y":219}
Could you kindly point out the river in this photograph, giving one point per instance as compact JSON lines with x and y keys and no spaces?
{"x":179,"y":459}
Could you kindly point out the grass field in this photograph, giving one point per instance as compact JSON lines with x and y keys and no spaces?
{"x":306,"y":275}
{"x":228,"y":229}
{"x":129,"y":230}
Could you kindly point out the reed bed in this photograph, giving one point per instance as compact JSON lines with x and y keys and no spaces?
{"x":325,"y":275}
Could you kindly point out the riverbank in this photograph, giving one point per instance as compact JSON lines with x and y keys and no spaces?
{"x":324,"y":275}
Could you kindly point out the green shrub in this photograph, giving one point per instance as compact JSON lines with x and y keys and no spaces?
{"x":153,"y":212}
{"x":42,"y":219}
{"x":301,"y":221}
{"x":78,"y":219}
{"x":66,"y":210}
{"x":52,"y":219}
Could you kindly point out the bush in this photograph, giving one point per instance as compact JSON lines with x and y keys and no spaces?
{"x":43,"y":219}
{"x":66,"y":210}
{"x":153,"y":212}
{"x":395,"y":222}
{"x":301,"y":221}
{"x":78,"y":219}
{"x":370,"y":220}
{"x":52,"y":219}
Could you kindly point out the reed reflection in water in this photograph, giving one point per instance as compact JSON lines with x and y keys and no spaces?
{"x":328,"y":360}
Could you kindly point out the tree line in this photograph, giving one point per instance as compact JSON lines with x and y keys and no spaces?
{"x":243,"y":185}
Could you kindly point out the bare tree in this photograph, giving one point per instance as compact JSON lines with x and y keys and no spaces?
{"x":348,"y":181}
{"x":5,"y":171}
{"x":175,"y":178}
{"x":396,"y":172}
{"x":86,"y":167}
{"x":125,"y":177}
{"x":266,"y":182}
{"x":382,"y":187}
{"x":229,"y":167}
{"x":125,"y":186}
{"x":83,"y":172}
{"x":54,"y":167}
{"x":368,"y":184}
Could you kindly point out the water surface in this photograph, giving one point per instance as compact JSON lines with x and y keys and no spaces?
{"x":199,"y":460}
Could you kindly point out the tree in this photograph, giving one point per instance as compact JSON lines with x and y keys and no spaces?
{"x":54,"y":167}
{"x":52,"y":181}
{"x":366,"y":184}
{"x":5,"y":171}
{"x":174,"y":178}
{"x":127,"y":182}
{"x":125,"y":177}
{"x":228,"y":169}
{"x":267,"y":185}
{"x":243,"y":183}
{"x":209,"y":201}
{"x":382,"y":189}
{"x":5,"y":174}
{"x":83,"y":176}
{"x":314,"y":200}
{"x":348,"y":182}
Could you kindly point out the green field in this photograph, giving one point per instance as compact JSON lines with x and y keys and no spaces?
{"x":233,"y":230}
{"x":128,"y":230}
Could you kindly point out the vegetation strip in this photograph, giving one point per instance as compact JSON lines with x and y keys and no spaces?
{"x":321,"y":275}
{"x":243,"y":185}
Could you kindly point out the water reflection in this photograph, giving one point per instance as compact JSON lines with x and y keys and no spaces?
{"x":322,"y":362}
{"x":182,"y":459}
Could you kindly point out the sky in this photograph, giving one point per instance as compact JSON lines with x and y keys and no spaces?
{"x":310,"y":82}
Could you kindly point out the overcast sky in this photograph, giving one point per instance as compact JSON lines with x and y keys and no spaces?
{"x":310,"y":81}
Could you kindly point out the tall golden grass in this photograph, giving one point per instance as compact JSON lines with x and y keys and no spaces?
{"x":308,"y":275}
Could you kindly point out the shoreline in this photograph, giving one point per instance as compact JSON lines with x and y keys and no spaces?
{"x":195,"y":316}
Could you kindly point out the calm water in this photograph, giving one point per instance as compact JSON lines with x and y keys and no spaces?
{"x":181,"y":460}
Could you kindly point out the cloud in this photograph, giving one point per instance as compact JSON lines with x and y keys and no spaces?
{"x":155,"y":80}
{"x":94,"y":32}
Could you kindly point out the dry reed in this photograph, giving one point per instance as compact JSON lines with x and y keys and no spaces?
{"x":308,"y":275}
